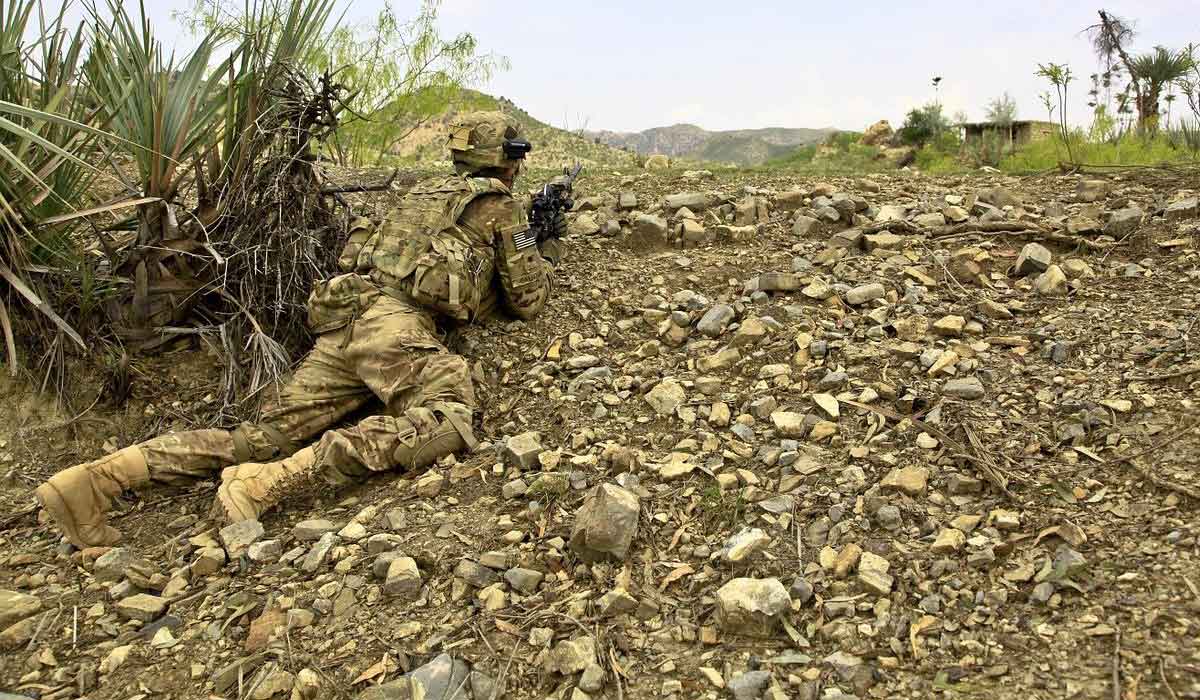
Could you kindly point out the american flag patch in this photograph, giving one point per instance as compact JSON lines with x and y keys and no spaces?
{"x":525,"y":239}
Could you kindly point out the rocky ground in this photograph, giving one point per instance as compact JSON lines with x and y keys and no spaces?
{"x":775,"y":438}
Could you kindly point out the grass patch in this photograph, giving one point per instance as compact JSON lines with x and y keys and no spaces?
{"x":1127,"y":150}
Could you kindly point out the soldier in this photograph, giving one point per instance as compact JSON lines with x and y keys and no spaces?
{"x":455,"y":249}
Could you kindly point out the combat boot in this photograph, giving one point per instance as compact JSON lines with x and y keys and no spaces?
{"x":249,"y":490}
{"x":78,"y":498}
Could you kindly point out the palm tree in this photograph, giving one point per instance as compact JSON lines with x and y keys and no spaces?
{"x":1155,"y":71}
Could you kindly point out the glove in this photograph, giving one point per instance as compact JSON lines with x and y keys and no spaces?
{"x":552,"y":250}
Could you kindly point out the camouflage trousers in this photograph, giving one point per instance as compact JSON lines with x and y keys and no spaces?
{"x":388,"y":356}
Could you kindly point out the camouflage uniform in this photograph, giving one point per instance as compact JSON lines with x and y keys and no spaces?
{"x":456,"y":248}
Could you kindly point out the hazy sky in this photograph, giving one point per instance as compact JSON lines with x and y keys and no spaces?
{"x":634,"y":64}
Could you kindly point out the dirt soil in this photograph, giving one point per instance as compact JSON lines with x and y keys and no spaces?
{"x":967,"y":482}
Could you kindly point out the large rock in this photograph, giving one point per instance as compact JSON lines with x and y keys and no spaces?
{"x":878,"y":134}
{"x":1123,"y":222}
{"x":403,"y":578}
{"x":665,"y":397}
{"x":1052,"y":282}
{"x":753,"y":607}
{"x":16,"y":606}
{"x":1183,"y":209}
{"x":716,"y":320}
{"x":791,"y":200}
{"x":649,"y":231}
{"x":1091,"y":190}
{"x":606,"y":524}
{"x":805,"y":226}
{"x":657,"y":162}
{"x":750,"y":211}
{"x":522,"y":450}
{"x":1033,"y":259}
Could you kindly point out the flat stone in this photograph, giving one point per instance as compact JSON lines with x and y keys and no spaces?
{"x":873,"y":573}
{"x":969,"y":388}
{"x":1123,"y":222}
{"x":865,"y":293}
{"x":264,"y":551}
{"x":142,"y":606}
{"x":15,"y":606}
{"x":310,"y":530}
{"x":949,"y":326}
{"x":571,"y":656}
{"x":744,"y":546}
{"x":523,"y":581}
{"x":475,"y":574}
{"x":208,"y":561}
{"x":319,"y":553}
{"x":238,"y":536}
{"x":789,"y":424}
{"x":111,"y":565}
{"x":908,"y":480}
{"x":1183,"y":209}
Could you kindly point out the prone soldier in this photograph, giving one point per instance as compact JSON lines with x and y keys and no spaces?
{"x":455,"y":249}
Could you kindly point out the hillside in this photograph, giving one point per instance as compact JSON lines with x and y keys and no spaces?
{"x":743,"y":146}
{"x":552,"y":147}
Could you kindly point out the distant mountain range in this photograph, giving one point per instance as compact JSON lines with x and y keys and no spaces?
{"x":688,"y":141}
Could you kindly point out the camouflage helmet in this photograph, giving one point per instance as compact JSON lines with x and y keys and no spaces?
{"x":477,"y":141}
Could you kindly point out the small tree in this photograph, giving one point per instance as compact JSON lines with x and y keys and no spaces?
{"x":1002,"y":112}
{"x":923,"y":125}
{"x":1060,"y":77}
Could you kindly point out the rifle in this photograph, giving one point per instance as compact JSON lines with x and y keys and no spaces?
{"x":551,"y":202}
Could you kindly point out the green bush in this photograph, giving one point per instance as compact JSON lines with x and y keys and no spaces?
{"x":925,"y":124}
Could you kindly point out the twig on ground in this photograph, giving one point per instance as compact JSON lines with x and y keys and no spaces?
{"x":1153,"y":478}
{"x":1162,"y":673}
{"x":1116,"y":666}
{"x":989,"y":470}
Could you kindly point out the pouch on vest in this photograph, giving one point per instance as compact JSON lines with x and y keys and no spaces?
{"x":336,"y":302}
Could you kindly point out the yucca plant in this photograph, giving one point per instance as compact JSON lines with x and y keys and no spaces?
{"x":166,"y":108}
{"x":47,"y":133}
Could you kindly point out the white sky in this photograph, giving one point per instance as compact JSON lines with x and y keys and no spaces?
{"x":633,"y":64}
